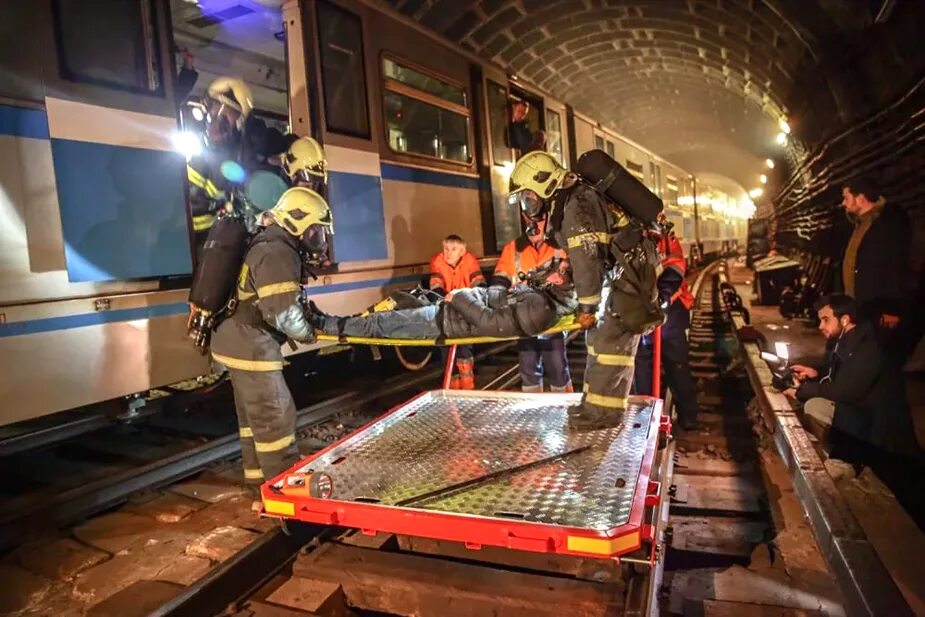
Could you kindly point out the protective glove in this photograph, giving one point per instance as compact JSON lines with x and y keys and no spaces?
{"x":587,"y":320}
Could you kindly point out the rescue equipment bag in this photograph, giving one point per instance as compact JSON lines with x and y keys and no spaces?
{"x":619,"y":186}
{"x":212,"y":291}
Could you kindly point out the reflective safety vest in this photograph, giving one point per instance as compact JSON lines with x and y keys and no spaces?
{"x":673,"y":253}
{"x":521,"y":256}
{"x":466,"y":273}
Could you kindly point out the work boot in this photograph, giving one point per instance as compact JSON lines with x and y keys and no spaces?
{"x":466,"y":368}
{"x":582,"y":419}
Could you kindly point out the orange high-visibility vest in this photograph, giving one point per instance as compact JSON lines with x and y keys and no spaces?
{"x":521,"y":256}
{"x":671,"y":248}
{"x":466,"y":273}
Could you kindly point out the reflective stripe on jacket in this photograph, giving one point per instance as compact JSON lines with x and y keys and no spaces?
{"x":520,"y":256}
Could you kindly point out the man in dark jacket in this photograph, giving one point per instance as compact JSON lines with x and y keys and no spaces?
{"x":875,"y":265}
{"x":860,"y":395}
{"x":474,"y":312}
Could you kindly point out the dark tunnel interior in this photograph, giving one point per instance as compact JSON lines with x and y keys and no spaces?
{"x":708,"y":83}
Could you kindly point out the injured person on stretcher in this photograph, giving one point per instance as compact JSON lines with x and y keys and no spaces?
{"x":525,"y":310}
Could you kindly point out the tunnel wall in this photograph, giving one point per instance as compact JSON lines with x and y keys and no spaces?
{"x":859,"y":110}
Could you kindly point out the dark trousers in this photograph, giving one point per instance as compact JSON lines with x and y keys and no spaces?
{"x":675,"y":364}
{"x":609,"y":368}
{"x":266,"y":423}
{"x":463,"y":352}
{"x":543,"y":355}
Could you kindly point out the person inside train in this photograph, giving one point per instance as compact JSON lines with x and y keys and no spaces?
{"x":526,"y":309}
{"x":856,"y":392}
{"x":520,"y":258}
{"x":270,"y":311}
{"x":674,"y":294}
{"x":614,"y":267}
{"x":456,"y":268}
{"x":235,"y":144}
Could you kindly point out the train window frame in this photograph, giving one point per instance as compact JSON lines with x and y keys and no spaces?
{"x":505,"y":142}
{"x":151,"y":35}
{"x":599,"y":142}
{"x":394,"y":86}
{"x":610,"y":148}
{"x":549,"y":132}
{"x":325,"y":84}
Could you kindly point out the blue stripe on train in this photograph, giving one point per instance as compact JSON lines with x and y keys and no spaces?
{"x":68,"y":322}
{"x":122,"y":211}
{"x":427,"y":176}
{"x":22,"y":122}
{"x":359,"y":217}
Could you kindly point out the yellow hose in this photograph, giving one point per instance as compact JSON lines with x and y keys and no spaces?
{"x":566,"y":324}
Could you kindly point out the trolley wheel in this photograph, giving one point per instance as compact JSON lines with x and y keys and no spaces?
{"x":414,"y":358}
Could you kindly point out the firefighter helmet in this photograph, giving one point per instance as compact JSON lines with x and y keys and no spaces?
{"x":305,"y":158}
{"x":539,"y":172}
{"x":299,"y":208}
{"x":234,"y":93}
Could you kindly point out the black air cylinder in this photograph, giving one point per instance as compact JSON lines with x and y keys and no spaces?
{"x":219,"y":264}
{"x":619,"y":186}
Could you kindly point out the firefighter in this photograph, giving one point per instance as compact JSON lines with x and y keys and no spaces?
{"x":522,"y":259}
{"x":674,"y":294}
{"x":614,"y":269}
{"x":270,"y":312}
{"x":451,"y":269}
{"x":304,"y":165}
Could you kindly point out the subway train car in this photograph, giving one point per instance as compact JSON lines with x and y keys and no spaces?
{"x":95,"y":257}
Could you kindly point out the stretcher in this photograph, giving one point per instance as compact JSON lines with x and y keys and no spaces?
{"x":487,"y":468}
{"x":565,"y":324}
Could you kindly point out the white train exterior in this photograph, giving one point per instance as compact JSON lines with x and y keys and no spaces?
{"x":94,"y":233}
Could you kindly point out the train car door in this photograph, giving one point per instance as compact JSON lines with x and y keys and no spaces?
{"x":557,"y":143}
{"x":500,"y":155}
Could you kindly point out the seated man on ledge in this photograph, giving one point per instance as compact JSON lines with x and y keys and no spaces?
{"x":525,"y":310}
{"x":857,"y":393}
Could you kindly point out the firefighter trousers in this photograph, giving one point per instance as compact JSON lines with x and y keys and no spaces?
{"x":544,"y":355}
{"x":609,"y":369}
{"x":677,"y":369}
{"x":266,"y":423}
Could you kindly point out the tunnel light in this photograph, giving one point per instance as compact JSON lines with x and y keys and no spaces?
{"x":754,"y":193}
{"x":781,"y":139}
{"x":188,"y":144}
{"x":763,"y":178}
{"x":784,"y":127}
{"x":769,"y":163}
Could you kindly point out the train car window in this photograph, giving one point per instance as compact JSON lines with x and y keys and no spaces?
{"x":423,"y":82}
{"x":671,"y":190}
{"x":501,"y":153}
{"x":554,"y":136}
{"x":636,"y":170}
{"x":610,"y":148}
{"x":113,"y":45}
{"x":422,"y":123}
{"x":340,"y":38}
{"x":598,"y":142}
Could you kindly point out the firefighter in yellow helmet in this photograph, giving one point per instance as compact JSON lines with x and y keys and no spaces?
{"x":304,"y":164}
{"x":270,"y":311}
{"x":613,"y":267}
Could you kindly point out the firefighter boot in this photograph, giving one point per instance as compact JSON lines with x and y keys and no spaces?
{"x":466,"y":367}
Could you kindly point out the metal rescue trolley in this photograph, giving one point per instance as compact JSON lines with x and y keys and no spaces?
{"x":492,"y":468}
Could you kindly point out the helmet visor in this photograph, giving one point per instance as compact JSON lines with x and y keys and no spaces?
{"x":315,"y":241}
{"x":529,"y":203}
{"x":311,"y":181}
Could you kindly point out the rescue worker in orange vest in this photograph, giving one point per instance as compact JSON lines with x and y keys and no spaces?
{"x":524,"y":259}
{"x":677,"y":300}
{"x":451,"y":269}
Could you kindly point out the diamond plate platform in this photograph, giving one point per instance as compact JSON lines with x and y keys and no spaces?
{"x":488,"y":467}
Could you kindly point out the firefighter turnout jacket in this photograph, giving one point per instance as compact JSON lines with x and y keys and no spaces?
{"x":269,"y":309}
{"x":445,"y":278}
